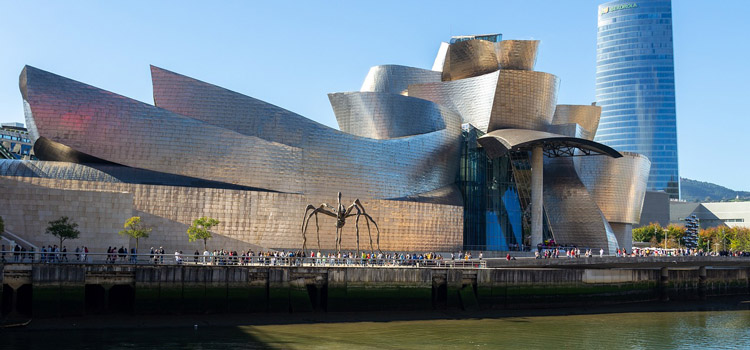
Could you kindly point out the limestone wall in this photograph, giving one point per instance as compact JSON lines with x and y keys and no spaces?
{"x":27,"y":210}
{"x":249,"y":219}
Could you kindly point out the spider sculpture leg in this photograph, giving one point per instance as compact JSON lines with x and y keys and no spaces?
{"x":347,"y":214}
{"x":311,"y":211}
{"x":304,"y":228}
{"x":368,"y":219}
{"x":317,"y":230}
{"x":356,"y":222}
{"x":356,"y":226}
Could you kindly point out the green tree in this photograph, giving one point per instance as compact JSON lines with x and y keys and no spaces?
{"x":739,"y":239}
{"x":63,"y":228}
{"x":704,"y":240}
{"x":201,"y":229}
{"x":675,"y":234}
{"x":723,"y":234}
{"x":135,"y":229}
{"x":646,"y":233}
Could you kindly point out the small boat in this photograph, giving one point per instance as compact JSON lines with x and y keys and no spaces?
{"x":15,"y":325}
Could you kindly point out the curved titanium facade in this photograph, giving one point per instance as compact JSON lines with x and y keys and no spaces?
{"x":469,"y":58}
{"x":517,"y":99}
{"x":109,"y":173}
{"x":617,"y":185}
{"x":131,"y":133}
{"x":46,"y":149}
{"x":360,"y":166}
{"x":472,"y":98}
{"x":524,"y":100}
{"x":54,"y":170}
{"x":518,"y":54}
{"x":318,"y":160}
{"x":571,"y":130}
{"x":635,"y":86}
{"x":440,"y":57}
{"x":396,"y":79}
{"x":386,"y":116}
{"x":574,"y":217}
{"x":585,"y":116}
{"x":500,"y":142}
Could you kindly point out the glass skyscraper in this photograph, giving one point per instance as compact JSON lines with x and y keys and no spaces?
{"x":635,"y":86}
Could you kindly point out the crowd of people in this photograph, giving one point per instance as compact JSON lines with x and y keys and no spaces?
{"x":298,"y":257}
{"x":646,"y":252}
{"x":221,"y":257}
{"x":569,"y":252}
{"x":55,"y":254}
{"x":545,"y":252}
{"x":48,"y":254}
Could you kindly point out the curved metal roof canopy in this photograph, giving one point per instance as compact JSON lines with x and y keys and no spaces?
{"x":499,"y":142}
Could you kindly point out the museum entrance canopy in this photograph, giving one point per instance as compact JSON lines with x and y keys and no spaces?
{"x":497,"y":143}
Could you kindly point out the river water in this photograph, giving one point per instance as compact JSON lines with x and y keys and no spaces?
{"x":649,"y":330}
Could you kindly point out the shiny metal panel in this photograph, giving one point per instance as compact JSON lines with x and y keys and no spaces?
{"x":469,"y":58}
{"x":518,"y":54}
{"x":499,"y":142}
{"x":332,"y":160}
{"x":385,"y":116}
{"x":230,"y":110}
{"x":440,"y":57}
{"x":254,"y":153}
{"x":46,"y":149}
{"x":524,"y":100}
{"x":571,"y":130}
{"x":624,"y":234}
{"x":618,"y":186}
{"x":472,"y":97}
{"x":585,"y":116}
{"x":572,"y":213}
{"x":105,"y":173}
{"x":396,"y":79}
{"x":124,"y":131}
{"x":449,"y":195}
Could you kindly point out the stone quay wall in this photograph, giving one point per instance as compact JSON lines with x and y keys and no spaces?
{"x":44,"y":290}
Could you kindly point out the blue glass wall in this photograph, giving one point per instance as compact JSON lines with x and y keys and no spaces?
{"x":492,"y":210}
{"x":635,"y":86}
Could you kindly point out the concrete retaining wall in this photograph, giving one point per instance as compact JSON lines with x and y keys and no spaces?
{"x":59,"y":290}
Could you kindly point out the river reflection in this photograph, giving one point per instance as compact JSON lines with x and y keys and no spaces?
{"x":652,"y":330}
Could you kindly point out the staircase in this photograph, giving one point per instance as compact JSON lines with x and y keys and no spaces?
{"x":5,"y":154}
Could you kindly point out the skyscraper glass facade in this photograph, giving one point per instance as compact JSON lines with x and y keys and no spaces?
{"x":635,"y":86}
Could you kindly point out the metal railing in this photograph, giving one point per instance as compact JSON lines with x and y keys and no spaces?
{"x":26,"y":257}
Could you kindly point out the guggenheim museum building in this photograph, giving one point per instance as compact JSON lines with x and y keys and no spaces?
{"x":472,"y":154}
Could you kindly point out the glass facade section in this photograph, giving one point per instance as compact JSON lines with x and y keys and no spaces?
{"x":635,"y":86}
{"x":15,"y":142}
{"x":495,"y":38}
{"x":492,"y":210}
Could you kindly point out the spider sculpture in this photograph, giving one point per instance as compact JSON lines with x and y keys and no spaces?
{"x":340,"y":213}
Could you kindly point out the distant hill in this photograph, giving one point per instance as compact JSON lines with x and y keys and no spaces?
{"x":699,"y":191}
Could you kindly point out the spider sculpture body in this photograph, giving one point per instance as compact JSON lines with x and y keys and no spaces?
{"x":341,"y":213}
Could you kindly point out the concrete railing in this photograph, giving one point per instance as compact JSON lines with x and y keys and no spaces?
{"x":17,"y":239}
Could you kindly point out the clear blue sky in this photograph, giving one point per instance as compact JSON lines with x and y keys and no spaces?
{"x":293,"y":53}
